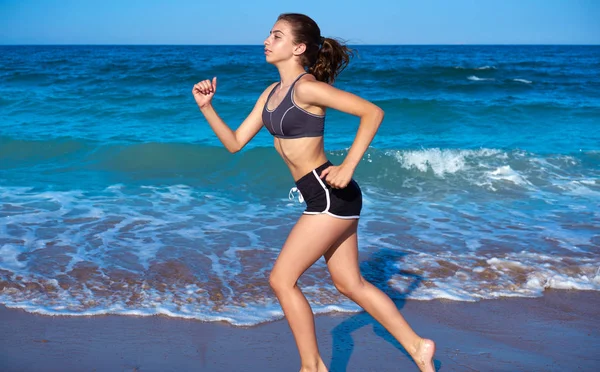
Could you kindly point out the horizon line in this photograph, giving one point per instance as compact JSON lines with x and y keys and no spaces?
{"x":432,"y":44}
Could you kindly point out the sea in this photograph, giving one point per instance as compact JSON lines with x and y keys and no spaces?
{"x":116,"y":197}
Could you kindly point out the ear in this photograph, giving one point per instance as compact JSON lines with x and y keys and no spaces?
{"x":299,"y":49}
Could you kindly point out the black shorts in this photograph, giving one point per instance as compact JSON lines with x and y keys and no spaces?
{"x":321,"y":198}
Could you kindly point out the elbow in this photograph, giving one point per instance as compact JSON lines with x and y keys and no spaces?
{"x":234,"y":149}
{"x":378,"y":114}
{"x":233,"y":145}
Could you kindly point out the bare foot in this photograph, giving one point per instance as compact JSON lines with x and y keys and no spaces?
{"x":423,"y":355}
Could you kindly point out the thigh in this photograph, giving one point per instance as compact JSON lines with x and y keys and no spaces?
{"x":342,"y":258}
{"x":310,"y":238}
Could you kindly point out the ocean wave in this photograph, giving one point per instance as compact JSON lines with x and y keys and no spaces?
{"x":475,"y":78}
{"x":203,"y":165}
{"x":506,"y":173}
{"x":423,"y":74}
{"x":523,"y":81}
{"x":175,"y":288}
{"x":439,"y":161}
{"x":494,"y":170}
{"x":476,"y":68}
{"x":189,"y":251}
{"x":523,"y":274}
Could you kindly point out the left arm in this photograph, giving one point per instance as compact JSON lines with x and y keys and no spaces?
{"x":317,"y":93}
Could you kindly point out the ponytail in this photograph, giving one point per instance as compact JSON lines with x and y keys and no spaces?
{"x":332,"y":58}
{"x":324,"y":57}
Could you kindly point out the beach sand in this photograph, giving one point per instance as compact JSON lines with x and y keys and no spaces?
{"x":557,"y":332}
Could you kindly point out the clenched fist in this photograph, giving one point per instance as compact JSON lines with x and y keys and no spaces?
{"x":204,"y":91}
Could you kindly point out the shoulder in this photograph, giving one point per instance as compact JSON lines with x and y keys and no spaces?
{"x":308,"y":85}
{"x":311,"y":91}
{"x":306,"y":80}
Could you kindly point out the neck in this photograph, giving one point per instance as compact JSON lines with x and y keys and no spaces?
{"x":289,"y":73}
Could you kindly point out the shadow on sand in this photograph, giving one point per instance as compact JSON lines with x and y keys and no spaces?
{"x":378,"y":271}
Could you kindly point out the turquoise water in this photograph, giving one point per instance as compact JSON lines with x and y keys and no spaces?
{"x":116,"y":197}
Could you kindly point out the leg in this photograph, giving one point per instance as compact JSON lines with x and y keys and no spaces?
{"x":310,"y":238}
{"x":342,"y":261}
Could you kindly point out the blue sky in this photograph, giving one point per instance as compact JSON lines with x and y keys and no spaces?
{"x":248,"y":22}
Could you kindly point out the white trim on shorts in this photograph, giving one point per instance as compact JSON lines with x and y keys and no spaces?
{"x":326,"y":211}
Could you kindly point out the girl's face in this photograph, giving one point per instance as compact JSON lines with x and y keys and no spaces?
{"x":279,"y":46}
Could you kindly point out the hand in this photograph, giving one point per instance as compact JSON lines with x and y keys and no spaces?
{"x":204,"y":91}
{"x":337,"y":177}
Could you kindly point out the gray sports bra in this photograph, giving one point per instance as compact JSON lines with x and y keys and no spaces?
{"x":290,"y":121}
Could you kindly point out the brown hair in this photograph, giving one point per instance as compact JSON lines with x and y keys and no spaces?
{"x":324,"y":57}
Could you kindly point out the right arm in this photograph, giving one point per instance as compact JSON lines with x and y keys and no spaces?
{"x":233,"y":141}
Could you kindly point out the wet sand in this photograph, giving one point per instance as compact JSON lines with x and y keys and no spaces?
{"x":557,"y":332}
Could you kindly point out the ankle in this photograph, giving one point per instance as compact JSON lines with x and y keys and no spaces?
{"x":416,"y":346}
{"x":317,"y":366}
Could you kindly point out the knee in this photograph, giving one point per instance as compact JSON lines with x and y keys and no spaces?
{"x":279,"y":283}
{"x":349,"y":288}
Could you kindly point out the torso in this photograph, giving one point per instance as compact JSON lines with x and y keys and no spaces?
{"x":301,"y":153}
